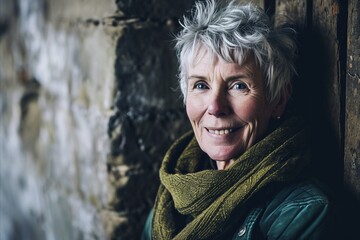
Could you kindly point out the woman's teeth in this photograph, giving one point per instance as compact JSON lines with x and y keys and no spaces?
{"x":220,"y":132}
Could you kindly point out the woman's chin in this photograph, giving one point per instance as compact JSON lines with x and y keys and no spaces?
{"x":223,"y":153}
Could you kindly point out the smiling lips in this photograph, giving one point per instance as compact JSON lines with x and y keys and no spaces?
{"x":221,"y":131}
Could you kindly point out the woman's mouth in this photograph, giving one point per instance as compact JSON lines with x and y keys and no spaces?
{"x":224,"y":131}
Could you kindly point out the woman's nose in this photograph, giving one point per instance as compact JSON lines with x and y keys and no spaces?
{"x":218,"y":105}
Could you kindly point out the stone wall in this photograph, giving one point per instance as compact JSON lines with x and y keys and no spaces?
{"x":89,"y":104}
{"x":148,"y":108}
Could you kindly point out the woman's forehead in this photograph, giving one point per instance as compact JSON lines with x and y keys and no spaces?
{"x":202,"y":53}
{"x":210,"y":70}
{"x":206,"y":57}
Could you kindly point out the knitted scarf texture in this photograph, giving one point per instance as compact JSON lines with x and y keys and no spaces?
{"x":208,"y":197}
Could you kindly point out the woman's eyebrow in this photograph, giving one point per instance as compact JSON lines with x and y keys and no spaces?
{"x":196,"y":77}
{"x":244,"y":75}
{"x":238,"y":76}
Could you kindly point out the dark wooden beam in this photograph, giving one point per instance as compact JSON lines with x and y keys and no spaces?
{"x":352,"y":110}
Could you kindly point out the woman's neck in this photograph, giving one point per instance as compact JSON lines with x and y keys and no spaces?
{"x":222,"y":165}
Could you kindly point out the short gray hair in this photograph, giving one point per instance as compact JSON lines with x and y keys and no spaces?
{"x":232,"y":32}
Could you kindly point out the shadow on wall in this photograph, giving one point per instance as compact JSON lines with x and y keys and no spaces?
{"x":317,"y":100}
{"x":312,"y":92}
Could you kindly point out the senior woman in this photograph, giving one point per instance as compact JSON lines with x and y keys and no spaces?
{"x":240,"y":174}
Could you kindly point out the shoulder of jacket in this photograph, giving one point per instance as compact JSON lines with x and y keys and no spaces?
{"x":296,"y":211}
{"x":301,"y":193}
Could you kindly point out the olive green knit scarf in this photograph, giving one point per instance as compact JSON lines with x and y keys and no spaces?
{"x":210,"y":196}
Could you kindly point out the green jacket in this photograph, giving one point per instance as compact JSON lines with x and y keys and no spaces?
{"x":298,"y":211}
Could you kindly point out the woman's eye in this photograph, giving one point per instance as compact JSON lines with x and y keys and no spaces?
{"x":200,"y":85}
{"x":239,"y":86}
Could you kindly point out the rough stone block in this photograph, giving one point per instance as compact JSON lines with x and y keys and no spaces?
{"x":149,"y":117}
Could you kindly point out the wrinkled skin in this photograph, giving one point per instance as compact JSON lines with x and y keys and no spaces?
{"x":227,"y":107}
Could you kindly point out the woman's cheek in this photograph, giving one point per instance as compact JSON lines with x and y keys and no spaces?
{"x":246,"y":110}
{"x":194,"y":107}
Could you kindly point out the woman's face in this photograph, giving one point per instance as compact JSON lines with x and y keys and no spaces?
{"x":227,"y":107}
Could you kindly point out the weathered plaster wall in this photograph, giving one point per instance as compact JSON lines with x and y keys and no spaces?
{"x":56,"y":92}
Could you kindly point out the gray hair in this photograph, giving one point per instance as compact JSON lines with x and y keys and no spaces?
{"x":232,"y":32}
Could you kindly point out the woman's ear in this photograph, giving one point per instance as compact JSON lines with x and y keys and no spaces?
{"x":280,"y":106}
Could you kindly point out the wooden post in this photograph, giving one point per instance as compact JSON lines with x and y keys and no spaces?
{"x":327,"y":57}
{"x":325,"y":22}
{"x":352,"y":111}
